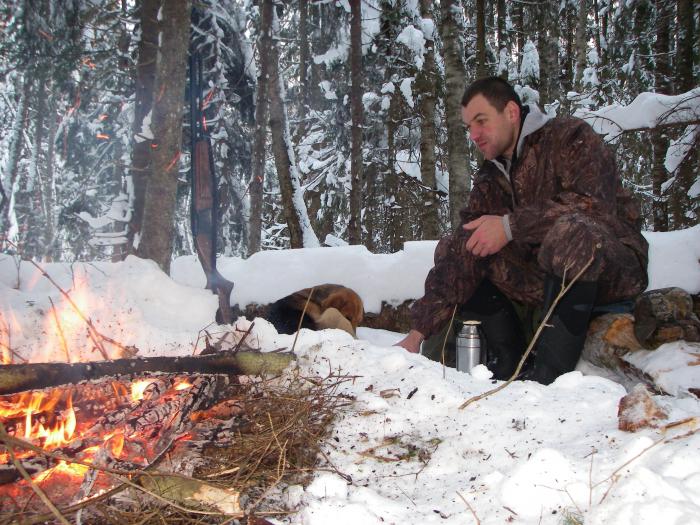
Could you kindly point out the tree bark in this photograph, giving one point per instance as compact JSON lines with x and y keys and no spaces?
{"x":548,"y":49}
{"x":686,"y":209}
{"x":48,"y":189}
{"x":581,"y":44}
{"x":481,"y":70}
{"x":35,"y":246}
{"x":141,"y":167}
{"x":395,"y":224}
{"x":519,"y":23}
{"x":20,"y":377}
{"x":504,"y":42}
{"x":296,"y":214}
{"x":659,"y":139}
{"x":457,"y":157}
{"x":304,"y":53}
{"x":356,"y":161}
{"x":11,"y":171}
{"x":158,"y":228}
{"x":426,"y":86}
{"x":260,"y":135}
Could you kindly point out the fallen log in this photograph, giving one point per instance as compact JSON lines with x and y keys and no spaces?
{"x":611,"y":344}
{"x":18,"y":377}
{"x":611,"y":337}
{"x":191,"y":492}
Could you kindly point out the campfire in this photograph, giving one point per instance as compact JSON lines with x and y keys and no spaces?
{"x":217,"y":435}
{"x":108,"y":424}
{"x":209,"y":442}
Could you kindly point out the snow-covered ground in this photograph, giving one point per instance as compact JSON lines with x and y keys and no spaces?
{"x":529,"y":454}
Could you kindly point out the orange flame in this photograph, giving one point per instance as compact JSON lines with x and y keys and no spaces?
{"x":116,"y":444}
{"x":138,"y":388}
{"x":66,"y":329}
{"x":33,"y":409}
{"x":61,"y":433}
{"x":184,"y":385}
{"x":71,"y":469}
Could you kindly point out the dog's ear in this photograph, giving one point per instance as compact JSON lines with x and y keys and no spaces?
{"x":348,"y":303}
{"x":332,"y":318}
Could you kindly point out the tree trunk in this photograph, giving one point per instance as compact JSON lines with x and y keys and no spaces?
{"x":426,"y":86}
{"x":598,"y":31}
{"x":160,"y":198}
{"x":11,"y":168}
{"x":145,"y":84}
{"x":356,"y":162}
{"x":457,"y":160}
{"x":519,"y":23}
{"x":395,"y":224}
{"x":548,"y":49}
{"x":304,"y":53}
{"x":48,"y":189}
{"x":659,"y":140}
{"x":260,"y":135}
{"x":35,"y":246}
{"x":686,"y":209}
{"x":300,"y":232}
{"x":504,"y":43}
{"x":481,"y":70}
{"x":20,"y":377}
{"x":581,"y":44}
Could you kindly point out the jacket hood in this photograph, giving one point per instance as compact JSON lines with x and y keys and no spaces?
{"x":534,"y":120}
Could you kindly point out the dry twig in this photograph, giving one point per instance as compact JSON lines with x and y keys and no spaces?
{"x":478,"y":522}
{"x":54,"y":511}
{"x":301,"y":317}
{"x":541,"y":327}
{"x":444,"y":342}
{"x":59,"y":328}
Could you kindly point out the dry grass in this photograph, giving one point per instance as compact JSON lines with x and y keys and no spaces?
{"x":277,"y":443}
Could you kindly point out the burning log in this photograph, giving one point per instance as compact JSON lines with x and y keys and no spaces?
{"x":33,"y":465}
{"x":191,"y":492}
{"x":19,"y":377}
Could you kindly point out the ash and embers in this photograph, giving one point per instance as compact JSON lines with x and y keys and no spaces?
{"x":127,"y":447}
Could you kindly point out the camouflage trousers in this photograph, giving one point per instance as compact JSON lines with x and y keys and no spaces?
{"x":518,"y":270}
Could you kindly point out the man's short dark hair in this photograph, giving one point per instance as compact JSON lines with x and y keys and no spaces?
{"x":496,"y":90}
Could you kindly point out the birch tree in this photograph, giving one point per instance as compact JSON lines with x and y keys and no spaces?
{"x":455,"y":81}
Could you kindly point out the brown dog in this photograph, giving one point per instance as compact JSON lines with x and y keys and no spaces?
{"x":330,"y":306}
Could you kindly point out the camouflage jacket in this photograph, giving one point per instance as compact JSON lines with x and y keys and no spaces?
{"x":561,"y":167}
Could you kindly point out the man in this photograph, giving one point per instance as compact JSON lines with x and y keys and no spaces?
{"x":545,"y":202}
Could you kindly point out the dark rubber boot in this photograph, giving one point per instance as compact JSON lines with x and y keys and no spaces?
{"x":500,"y":327}
{"x":560,"y":344}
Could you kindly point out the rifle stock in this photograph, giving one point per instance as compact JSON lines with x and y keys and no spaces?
{"x":204,"y":201}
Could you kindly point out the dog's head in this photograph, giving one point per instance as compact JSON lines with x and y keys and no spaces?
{"x":348,"y":303}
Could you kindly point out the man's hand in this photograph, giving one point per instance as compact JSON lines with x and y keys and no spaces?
{"x":412,"y":341}
{"x":488,"y":236}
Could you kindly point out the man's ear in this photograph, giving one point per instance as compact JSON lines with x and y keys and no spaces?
{"x":512,"y":111}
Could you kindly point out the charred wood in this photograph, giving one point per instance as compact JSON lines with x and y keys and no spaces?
{"x":18,"y":377}
{"x":33,"y":465}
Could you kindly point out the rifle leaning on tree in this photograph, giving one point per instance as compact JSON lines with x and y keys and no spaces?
{"x":204,"y":208}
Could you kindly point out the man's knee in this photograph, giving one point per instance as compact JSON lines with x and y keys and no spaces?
{"x":573,"y":242}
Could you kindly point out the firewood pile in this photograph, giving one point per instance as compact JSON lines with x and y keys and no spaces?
{"x":161,"y":447}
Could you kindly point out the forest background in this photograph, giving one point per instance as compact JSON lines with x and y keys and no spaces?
{"x":336,"y":121}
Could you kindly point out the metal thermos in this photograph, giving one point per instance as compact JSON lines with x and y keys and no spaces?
{"x":468,"y":346}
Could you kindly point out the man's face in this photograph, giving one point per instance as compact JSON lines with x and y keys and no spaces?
{"x":494,"y":132}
